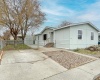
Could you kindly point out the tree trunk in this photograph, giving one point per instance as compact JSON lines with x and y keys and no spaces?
{"x":15,"y":38}
{"x":23,"y":39}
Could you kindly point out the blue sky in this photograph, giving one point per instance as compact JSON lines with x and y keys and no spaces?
{"x":70,"y":10}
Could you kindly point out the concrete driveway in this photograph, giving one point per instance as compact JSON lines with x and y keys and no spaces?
{"x":33,"y":65}
{"x":28,"y":65}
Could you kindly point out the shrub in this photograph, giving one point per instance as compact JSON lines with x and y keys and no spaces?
{"x":76,"y":50}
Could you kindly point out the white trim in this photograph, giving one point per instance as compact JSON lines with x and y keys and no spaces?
{"x":82,"y":23}
{"x":44,"y":30}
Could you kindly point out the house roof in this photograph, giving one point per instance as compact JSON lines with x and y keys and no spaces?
{"x":71,"y":25}
{"x":76,"y":24}
{"x":45,"y":29}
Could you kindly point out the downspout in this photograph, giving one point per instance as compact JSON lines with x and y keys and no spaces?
{"x":54,"y":39}
{"x":38,"y":42}
{"x":86,"y":37}
{"x":69,"y":38}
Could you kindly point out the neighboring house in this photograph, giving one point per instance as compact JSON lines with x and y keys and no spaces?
{"x":72,"y":36}
{"x":19,"y":37}
{"x":29,"y":39}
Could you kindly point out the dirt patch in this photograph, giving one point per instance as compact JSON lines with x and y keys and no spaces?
{"x":67,"y":59}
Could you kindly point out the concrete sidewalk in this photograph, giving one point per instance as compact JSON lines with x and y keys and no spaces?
{"x":85,"y":72}
{"x":33,"y":65}
{"x":28,"y":65}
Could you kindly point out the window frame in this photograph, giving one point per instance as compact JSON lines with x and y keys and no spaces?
{"x":80,"y":34}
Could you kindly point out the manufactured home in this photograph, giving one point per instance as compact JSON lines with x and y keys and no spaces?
{"x":73,"y":36}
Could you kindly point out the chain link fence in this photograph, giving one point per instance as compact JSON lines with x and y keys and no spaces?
{"x":20,"y":43}
{"x":2,"y":44}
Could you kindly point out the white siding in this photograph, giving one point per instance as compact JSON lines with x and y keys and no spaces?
{"x":86,"y":37}
{"x":68,"y":37}
{"x":41,"y":41}
{"x":36,"y":39}
{"x":62,"y":38}
{"x":11,"y":37}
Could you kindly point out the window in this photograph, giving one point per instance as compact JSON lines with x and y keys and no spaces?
{"x":79,"y":34}
{"x":99,"y":37}
{"x":45,"y":37}
{"x":92,"y":35}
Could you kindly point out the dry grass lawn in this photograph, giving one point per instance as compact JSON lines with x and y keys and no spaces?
{"x":17,"y":47}
{"x":88,"y":52}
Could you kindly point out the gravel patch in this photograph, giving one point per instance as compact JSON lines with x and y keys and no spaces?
{"x":67,"y":59}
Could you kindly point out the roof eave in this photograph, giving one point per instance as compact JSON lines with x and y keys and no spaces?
{"x":79,"y":24}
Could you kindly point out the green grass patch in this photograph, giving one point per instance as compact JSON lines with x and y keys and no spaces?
{"x":17,"y":47}
{"x":84,"y":51}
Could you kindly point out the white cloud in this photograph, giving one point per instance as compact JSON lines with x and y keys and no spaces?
{"x":47,"y":11}
{"x":57,"y":13}
{"x":52,"y":8}
{"x":92,"y":12}
{"x":90,"y":16}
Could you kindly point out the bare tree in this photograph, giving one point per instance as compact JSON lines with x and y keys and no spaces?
{"x":64,"y":23}
{"x":8,"y":17}
{"x":31,"y":16}
{"x":6,"y":35}
{"x":20,"y":16}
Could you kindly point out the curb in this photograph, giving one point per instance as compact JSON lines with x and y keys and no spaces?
{"x":1,"y":56}
{"x":96,"y":77}
{"x":83,"y":55}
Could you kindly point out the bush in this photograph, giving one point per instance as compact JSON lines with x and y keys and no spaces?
{"x":76,"y":50}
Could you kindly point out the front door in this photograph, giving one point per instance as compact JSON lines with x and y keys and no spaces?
{"x":52,"y":36}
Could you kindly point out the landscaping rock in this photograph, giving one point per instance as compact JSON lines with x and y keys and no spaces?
{"x":93,"y":48}
{"x":98,"y":48}
{"x":67,"y":59}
